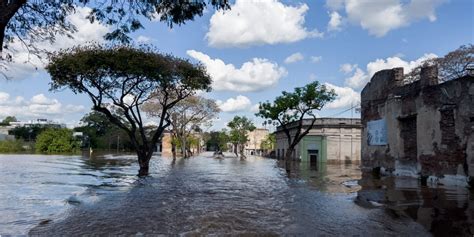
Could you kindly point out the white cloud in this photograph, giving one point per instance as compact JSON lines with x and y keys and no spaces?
{"x":346,"y":97}
{"x":294,"y":58}
{"x":316,"y":59}
{"x":143,"y":39}
{"x":255,"y":108}
{"x":312,"y":77}
{"x":255,"y":75}
{"x":335,"y":21}
{"x":38,"y":106}
{"x":360,"y":77}
{"x":347,"y":68}
{"x":258,"y":22}
{"x":380,"y":17}
{"x":26,"y":65}
{"x":237,"y":104}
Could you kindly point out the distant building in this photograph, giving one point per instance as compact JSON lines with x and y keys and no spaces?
{"x":423,"y":129}
{"x":37,"y":122}
{"x":330,"y":139}
{"x":255,"y":138}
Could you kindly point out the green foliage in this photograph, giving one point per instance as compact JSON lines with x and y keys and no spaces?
{"x":6,"y":121}
{"x":127,"y":78}
{"x":268,"y":143}
{"x":10,"y":146}
{"x":30,"y":133}
{"x":217,"y":141}
{"x":239,"y":126}
{"x":102,"y":134}
{"x":31,"y":22}
{"x":56,"y":141}
{"x":294,"y":106}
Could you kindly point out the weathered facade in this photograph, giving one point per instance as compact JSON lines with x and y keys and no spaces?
{"x":330,"y":139}
{"x":423,"y":129}
{"x":255,"y":138}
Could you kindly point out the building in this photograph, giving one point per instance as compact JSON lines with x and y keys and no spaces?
{"x":255,"y":138}
{"x":330,"y":139}
{"x":423,"y":129}
{"x":37,"y":122}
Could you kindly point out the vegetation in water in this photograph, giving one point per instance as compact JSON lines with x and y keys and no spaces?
{"x":59,"y":140}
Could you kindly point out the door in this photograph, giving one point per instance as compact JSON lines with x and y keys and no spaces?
{"x":313,"y":157}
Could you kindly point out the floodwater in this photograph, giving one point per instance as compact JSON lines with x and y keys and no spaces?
{"x":74,"y":195}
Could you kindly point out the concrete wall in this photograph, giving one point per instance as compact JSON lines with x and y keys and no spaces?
{"x":255,"y":139}
{"x":430,"y":127}
{"x":338,"y":138}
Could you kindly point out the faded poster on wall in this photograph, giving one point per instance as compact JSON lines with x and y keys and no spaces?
{"x":377,"y":132}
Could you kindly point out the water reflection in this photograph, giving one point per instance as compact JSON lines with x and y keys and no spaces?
{"x":101,"y":195}
{"x":443,"y":210}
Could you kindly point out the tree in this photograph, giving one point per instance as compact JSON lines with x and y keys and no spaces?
{"x":33,"y":21}
{"x":6,"y":121}
{"x":290,"y":110}
{"x":268,"y":144}
{"x":120,"y":80}
{"x":453,"y":65}
{"x":29,"y":133}
{"x":56,"y":141}
{"x":239,"y":127}
{"x":102,"y":133}
{"x":186,"y":116}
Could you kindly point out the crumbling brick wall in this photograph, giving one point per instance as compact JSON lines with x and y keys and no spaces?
{"x":440,"y":148}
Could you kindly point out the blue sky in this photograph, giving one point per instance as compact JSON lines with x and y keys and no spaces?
{"x":247,"y":51}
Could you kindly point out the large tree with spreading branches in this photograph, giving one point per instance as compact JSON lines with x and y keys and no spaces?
{"x":119,"y":80}
{"x":290,"y":110}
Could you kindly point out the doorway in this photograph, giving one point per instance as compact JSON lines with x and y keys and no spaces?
{"x":313,"y":157}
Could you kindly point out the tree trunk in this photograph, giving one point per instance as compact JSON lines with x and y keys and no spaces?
{"x":236,"y":150}
{"x":184,"y":148}
{"x":241,"y":149}
{"x":144,"y":162}
{"x":173,"y":150}
{"x":289,"y":158}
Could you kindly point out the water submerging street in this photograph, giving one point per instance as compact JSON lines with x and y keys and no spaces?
{"x":74,"y":195}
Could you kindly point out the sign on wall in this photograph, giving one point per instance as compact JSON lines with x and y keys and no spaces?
{"x":377,"y":132}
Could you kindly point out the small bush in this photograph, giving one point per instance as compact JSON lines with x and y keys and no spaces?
{"x":10,"y":146}
{"x":56,"y":140}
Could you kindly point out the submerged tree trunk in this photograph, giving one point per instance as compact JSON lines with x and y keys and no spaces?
{"x":173,"y":150}
{"x":242,"y":155}
{"x":289,"y":158}
{"x":144,"y":162}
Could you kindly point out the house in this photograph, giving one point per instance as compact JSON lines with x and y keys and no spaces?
{"x":422,"y":129}
{"x":328,"y":140}
{"x":255,"y":138}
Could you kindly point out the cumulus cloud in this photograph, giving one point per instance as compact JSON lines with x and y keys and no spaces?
{"x":255,"y":75}
{"x":143,"y":39}
{"x":316,"y":59}
{"x":26,"y":65}
{"x":359,"y":78}
{"x":37,"y":106}
{"x":237,"y":104}
{"x":335,"y":21}
{"x":255,"y":108}
{"x":294,"y":58}
{"x":262,"y":22}
{"x":347,"y":67}
{"x":346,"y":97}
{"x":380,"y":17}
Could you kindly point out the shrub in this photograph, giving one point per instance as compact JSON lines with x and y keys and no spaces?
{"x":56,"y":140}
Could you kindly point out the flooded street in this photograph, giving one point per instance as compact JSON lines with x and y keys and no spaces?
{"x":73,"y":195}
